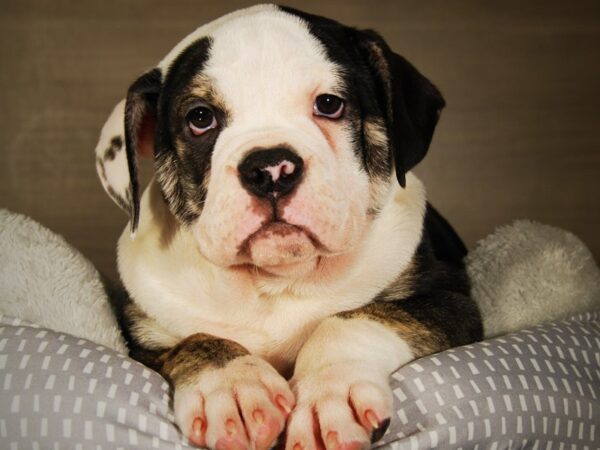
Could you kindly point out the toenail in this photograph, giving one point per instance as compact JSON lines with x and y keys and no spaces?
{"x":332,"y":441}
{"x":197,"y":426}
{"x":283,"y":403}
{"x":372,"y":419}
{"x":258,"y":416}
{"x":230,"y":427}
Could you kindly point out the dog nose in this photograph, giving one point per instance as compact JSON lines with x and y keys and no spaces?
{"x":271,"y":173}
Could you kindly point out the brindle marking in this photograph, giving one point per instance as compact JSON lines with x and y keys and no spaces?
{"x":179,"y":364}
{"x":183,"y":161}
{"x":161,"y":214}
{"x":422,"y":340}
{"x":429,"y":305}
{"x":196,"y":353}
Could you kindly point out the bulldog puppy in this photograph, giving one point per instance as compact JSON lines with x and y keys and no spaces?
{"x":283,"y":236}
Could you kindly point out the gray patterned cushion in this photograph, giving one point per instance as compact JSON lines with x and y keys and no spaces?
{"x":60,"y":391}
{"x":537,"y":388}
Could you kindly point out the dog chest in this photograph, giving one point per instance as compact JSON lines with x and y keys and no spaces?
{"x":184,"y":293}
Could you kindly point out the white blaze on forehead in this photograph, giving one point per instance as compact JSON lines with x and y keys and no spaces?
{"x":267,"y":66}
{"x":207,"y":30}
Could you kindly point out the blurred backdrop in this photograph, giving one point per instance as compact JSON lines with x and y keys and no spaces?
{"x":519,"y":138}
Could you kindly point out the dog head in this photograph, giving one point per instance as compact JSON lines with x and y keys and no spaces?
{"x":276,"y":136}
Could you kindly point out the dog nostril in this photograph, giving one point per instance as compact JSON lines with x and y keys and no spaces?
{"x":270,"y":173}
{"x":255,"y":176}
{"x":261,"y":179}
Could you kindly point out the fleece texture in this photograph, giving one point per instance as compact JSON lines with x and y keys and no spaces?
{"x":522,"y":274}
{"x":46,"y":281}
{"x":528,"y":273}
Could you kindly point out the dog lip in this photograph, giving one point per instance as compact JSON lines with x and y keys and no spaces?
{"x":279,"y":228}
{"x":257,"y":270}
{"x":282,"y":228}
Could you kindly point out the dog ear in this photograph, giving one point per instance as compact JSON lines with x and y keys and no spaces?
{"x":410,"y":102}
{"x":130,"y":127}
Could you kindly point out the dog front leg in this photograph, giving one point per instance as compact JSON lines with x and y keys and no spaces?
{"x":225,"y":398}
{"x":341,"y":384}
{"x":343,"y":398}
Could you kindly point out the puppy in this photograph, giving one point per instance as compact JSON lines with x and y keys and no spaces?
{"x":283,"y":236}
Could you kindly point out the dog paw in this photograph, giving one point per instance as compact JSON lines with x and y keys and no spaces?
{"x":349,"y":411}
{"x":240,"y":406}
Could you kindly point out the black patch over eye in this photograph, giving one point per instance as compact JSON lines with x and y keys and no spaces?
{"x":201,"y":119}
{"x":329,"y":105}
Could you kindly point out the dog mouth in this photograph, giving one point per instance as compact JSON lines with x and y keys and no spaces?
{"x":277,"y":245}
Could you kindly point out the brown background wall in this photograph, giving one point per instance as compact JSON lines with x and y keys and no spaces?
{"x":519,"y":138}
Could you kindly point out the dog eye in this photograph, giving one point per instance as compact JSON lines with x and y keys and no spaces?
{"x":200,"y":120}
{"x":328,"y":105}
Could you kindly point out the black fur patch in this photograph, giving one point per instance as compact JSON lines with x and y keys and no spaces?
{"x":445,"y":242}
{"x":378,"y":432}
{"x":124,"y":203}
{"x":441,"y":291}
{"x":141,"y":104}
{"x":183,"y":160}
{"x":361,"y":90}
{"x":385,"y":86}
{"x":196,"y":353}
{"x":116,"y":145}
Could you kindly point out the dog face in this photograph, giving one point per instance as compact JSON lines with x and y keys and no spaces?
{"x":275,"y":134}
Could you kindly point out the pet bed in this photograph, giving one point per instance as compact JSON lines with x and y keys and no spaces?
{"x":66,"y":383}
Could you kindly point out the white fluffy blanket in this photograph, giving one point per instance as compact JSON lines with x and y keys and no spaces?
{"x":46,"y":281}
{"x":527,"y":273}
{"x":522,"y":274}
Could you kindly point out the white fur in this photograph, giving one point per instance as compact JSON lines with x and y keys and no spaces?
{"x":268,"y":69}
{"x":341,"y":373}
{"x":117,"y":174}
{"x":274,"y":54}
{"x":207,"y":29}
{"x":116,"y":171}
{"x":214,"y":397}
{"x":187,"y":286}
{"x":190,"y":285}
{"x":361,"y":341}
{"x":234,"y":275}
{"x":42,"y":277}
{"x":185,"y":293}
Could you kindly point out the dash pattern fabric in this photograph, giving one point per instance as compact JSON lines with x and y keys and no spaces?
{"x":538,"y":388}
{"x":61,"y":392}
